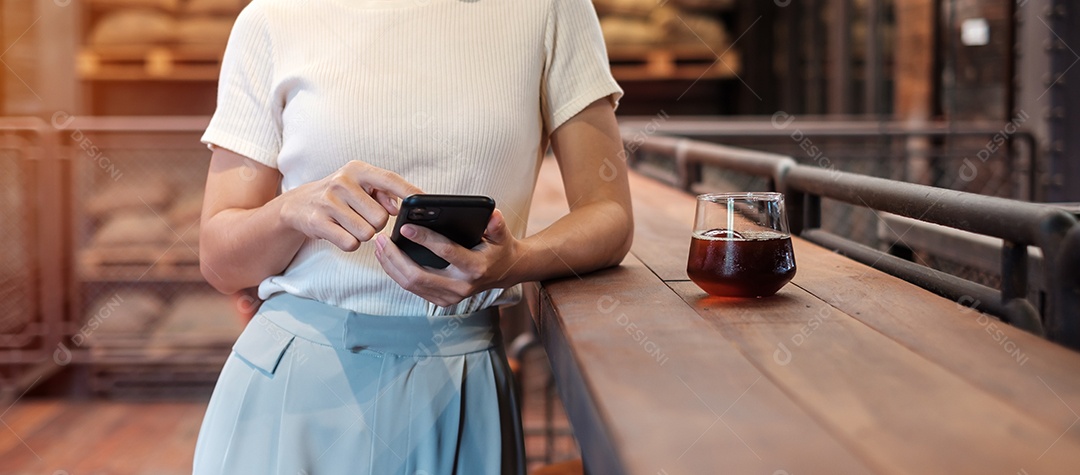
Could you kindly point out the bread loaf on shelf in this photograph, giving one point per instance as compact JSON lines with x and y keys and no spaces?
{"x":200,"y":318}
{"x":663,"y":26}
{"x":620,"y":30}
{"x":129,"y":228}
{"x":165,"y":5}
{"x":186,"y":209}
{"x":639,"y":8}
{"x":204,"y":30}
{"x":134,"y":27}
{"x":712,"y":5}
{"x":214,"y":7}
{"x":148,"y":192}
{"x":126,"y":314}
{"x":695,"y":29}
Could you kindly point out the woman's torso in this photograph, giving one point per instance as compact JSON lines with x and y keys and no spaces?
{"x":444,"y":92}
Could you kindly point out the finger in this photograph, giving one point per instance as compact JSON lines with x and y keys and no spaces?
{"x":332,"y":232}
{"x":388,"y":202}
{"x":358,"y":227}
{"x":442,"y":246}
{"x":361,"y":204}
{"x":391,"y":265}
{"x":421,"y":281}
{"x":343,"y":211}
{"x":374,"y":178}
{"x":497,"y":231}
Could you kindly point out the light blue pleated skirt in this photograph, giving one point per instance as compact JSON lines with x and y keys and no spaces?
{"x":313,"y":389}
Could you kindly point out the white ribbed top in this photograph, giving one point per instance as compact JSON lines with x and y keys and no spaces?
{"x":457,"y":96}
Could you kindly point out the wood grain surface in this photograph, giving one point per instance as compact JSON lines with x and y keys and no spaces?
{"x":846,"y":370}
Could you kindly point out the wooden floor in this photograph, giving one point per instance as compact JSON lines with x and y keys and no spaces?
{"x":59,"y":437}
{"x":56,"y":437}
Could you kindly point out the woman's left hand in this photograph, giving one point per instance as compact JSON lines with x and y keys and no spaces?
{"x":483,"y":267}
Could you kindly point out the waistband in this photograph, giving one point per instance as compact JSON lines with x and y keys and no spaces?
{"x":412,"y":336}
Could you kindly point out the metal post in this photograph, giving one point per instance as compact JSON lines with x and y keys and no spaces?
{"x":840,"y":57}
{"x":814,"y":76}
{"x":872,"y":65}
{"x":1064,"y":324}
{"x":1014,"y":277}
{"x":795,"y":77}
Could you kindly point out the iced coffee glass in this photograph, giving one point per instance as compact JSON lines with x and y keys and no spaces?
{"x":741,"y":245}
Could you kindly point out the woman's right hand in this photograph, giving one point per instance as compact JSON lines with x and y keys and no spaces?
{"x":347,"y":207}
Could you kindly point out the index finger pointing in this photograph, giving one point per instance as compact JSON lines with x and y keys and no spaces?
{"x":374,"y":178}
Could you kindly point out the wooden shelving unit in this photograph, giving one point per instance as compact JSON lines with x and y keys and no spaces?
{"x":148,"y":77}
{"x":679,"y":57}
{"x":149,"y":63}
{"x":638,"y":63}
{"x":130,"y":263}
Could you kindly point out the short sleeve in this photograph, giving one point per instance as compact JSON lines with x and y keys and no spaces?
{"x":248,"y":118}
{"x":576,"y":70}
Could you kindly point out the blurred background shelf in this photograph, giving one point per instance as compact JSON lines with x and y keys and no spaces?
{"x":640,"y":63}
{"x":150,"y":263}
{"x":149,"y":63}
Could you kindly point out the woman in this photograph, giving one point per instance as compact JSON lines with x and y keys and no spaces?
{"x":329,"y":112}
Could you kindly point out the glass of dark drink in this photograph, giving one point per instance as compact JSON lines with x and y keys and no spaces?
{"x":741,"y":246}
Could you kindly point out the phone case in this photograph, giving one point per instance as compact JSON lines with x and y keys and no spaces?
{"x":461,"y":218}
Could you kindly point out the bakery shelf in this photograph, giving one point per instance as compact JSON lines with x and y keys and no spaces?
{"x":150,"y":62}
{"x":140,"y":272}
{"x":640,"y":63}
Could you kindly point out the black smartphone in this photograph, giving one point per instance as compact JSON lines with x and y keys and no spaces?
{"x":461,"y":218}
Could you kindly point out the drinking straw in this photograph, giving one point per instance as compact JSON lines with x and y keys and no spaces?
{"x":731,"y":216}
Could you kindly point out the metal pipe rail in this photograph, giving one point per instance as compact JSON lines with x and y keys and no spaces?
{"x":782,"y":125}
{"x":690,"y":155}
{"x":1020,"y":224}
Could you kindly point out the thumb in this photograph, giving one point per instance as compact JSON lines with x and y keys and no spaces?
{"x":496,"y":231}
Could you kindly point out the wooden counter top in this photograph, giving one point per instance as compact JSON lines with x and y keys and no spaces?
{"x":845,"y":370}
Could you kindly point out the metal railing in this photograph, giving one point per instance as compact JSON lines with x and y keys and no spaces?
{"x":1019,"y":224}
{"x":74,"y":293}
{"x":998,"y":159}
{"x":32,"y":255}
{"x":141,"y":179}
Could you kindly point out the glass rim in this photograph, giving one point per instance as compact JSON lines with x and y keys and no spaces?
{"x":742,"y":195}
